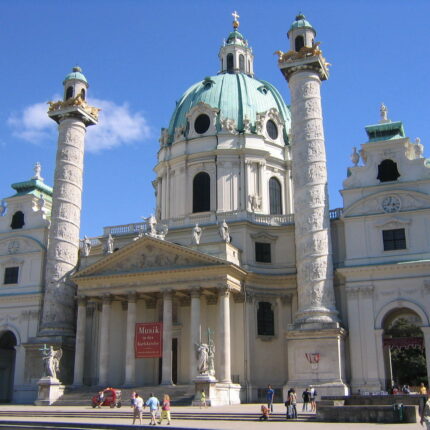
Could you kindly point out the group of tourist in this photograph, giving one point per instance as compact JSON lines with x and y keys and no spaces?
{"x":308,"y":396}
{"x":138,"y":405}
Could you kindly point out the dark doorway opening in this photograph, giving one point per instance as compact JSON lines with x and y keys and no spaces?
{"x":7,"y":365}
{"x":174,"y":363}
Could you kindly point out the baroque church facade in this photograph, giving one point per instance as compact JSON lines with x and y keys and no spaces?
{"x":242,"y":246}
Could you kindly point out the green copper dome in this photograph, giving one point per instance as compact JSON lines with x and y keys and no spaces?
{"x":234,"y":35}
{"x":236,"y":96}
{"x":76,"y":74}
{"x":301,"y":22}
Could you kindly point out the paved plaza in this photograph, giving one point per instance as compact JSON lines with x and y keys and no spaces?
{"x":209,"y":418}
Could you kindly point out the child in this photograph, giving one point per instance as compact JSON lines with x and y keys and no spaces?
{"x":264,"y":413}
{"x":165,"y":409}
{"x":203,"y":399}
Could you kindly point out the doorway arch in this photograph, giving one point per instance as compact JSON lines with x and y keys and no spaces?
{"x":404,"y":348}
{"x":8,"y":343}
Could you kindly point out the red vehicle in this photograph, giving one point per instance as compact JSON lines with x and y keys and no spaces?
{"x":111,"y":398}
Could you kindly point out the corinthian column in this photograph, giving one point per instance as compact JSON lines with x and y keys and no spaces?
{"x":166,"y":376}
{"x":224,"y":335}
{"x":104,"y":341}
{"x":80,"y":341}
{"x":130,"y":361}
{"x":194,"y":330}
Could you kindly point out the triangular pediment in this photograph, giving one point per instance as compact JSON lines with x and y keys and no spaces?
{"x":148,"y":255}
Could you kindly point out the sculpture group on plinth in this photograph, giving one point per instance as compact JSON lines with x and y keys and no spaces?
{"x":206,"y":357}
{"x":50,"y":388}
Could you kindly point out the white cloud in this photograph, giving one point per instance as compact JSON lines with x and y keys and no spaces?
{"x":118,"y":125}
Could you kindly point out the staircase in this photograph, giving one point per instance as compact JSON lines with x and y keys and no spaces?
{"x":180,"y":395}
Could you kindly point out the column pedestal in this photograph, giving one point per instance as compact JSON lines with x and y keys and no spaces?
{"x":217,"y":393}
{"x":325,"y":371}
{"x":50,"y":390}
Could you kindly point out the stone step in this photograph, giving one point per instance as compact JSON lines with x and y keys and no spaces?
{"x":180,"y":395}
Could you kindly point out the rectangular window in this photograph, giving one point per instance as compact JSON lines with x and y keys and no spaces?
{"x":11,"y":275}
{"x":394,"y":239}
{"x":262,"y":252}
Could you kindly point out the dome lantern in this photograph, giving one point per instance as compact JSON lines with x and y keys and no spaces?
{"x":75,"y":83}
{"x":235,"y":54}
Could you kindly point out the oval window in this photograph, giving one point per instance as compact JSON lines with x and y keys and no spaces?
{"x":202,"y":123}
{"x":272,"y":129}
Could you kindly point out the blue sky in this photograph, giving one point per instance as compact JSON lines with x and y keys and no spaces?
{"x":140,"y":56}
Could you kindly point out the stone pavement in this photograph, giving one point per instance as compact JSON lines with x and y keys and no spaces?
{"x":205,"y":418}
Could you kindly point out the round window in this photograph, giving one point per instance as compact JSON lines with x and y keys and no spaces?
{"x":202,"y":123}
{"x":272,"y":129}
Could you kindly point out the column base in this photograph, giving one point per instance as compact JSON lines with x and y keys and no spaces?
{"x":217,"y":393}
{"x":316,"y":358}
{"x":50,"y":390}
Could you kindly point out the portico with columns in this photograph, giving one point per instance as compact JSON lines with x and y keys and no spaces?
{"x":141,"y":283}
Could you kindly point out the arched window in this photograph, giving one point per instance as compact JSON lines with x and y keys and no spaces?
{"x":230,"y":66}
{"x":265,"y":319}
{"x":275,"y":196}
{"x":69,"y":93}
{"x":299,"y":43}
{"x":387,"y":171}
{"x":242,"y":63}
{"x":201,"y":192}
{"x":83,"y":94}
{"x":17,"y":220}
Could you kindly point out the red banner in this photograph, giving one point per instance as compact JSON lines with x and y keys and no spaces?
{"x":148,"y":340}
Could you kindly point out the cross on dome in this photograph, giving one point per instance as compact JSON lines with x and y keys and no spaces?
{"x":235,"y":15}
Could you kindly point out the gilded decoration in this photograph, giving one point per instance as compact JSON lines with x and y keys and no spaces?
{"x":77,"y":101}
{"x":305,"y":51}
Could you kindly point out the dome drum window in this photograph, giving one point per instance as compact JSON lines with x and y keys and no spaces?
{"x":202,"y":124}
{"x":272,"y":129}
{"x":201,"y":119}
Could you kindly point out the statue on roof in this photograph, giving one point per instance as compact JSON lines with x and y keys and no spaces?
{"x":383,"y":110}
{"x":109,"y":244}
{"x":224,"y":232}
{"x":37,"y":169}
{"x":86,"y":246}
{"x":197,"y":234}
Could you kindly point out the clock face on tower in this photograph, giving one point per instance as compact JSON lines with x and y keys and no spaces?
{"x":391,"y":204}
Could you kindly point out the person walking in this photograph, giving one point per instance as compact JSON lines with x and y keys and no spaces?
{"x":293,"y":403}
{"x":313,"y":397}
{"x":270,"y":394}
{"x":306,"y":399}
{"x":137,"y":408}
{"x":422,"y":389}
{"x":165,"y":409}
{"x":203,"y":399}
{"x":153,"y":404}
{"x":425,"y":414}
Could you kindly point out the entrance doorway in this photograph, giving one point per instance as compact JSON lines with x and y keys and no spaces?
{"x":7,"y":365}
{"x":174,"y":363}
{"x":404,"y":349}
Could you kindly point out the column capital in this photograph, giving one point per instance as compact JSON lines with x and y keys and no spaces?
{"x":195,"y":292}
{"x":224,"y":290}
{"x":167,"y":294}
{"x":132,"y":296}
{"x":286,"y":298}
{"x":106,"y":299}
{"x":81,"y":300}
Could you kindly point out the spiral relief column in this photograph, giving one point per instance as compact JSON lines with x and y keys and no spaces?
{"x":73,"y":116}
{"x":316,"y":331}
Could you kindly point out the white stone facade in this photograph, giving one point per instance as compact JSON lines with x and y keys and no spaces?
{"x":295,"y":294}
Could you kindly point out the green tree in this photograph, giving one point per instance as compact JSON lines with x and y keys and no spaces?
{"x":409,"y":365}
